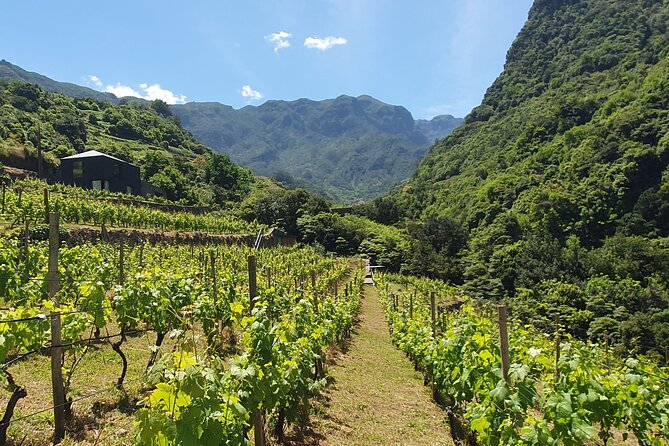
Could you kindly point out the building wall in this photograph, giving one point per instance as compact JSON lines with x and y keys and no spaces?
{"x":118,"y":174}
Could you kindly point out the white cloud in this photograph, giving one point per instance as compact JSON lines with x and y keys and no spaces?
{"x":279,"y":40}
{"x":150,"y":92}
{"x":155,"y":91}
{"x":325,"y":43}
{"x":122,"y":91}
{"x":250,"y":93}
{"x":94,"y":80}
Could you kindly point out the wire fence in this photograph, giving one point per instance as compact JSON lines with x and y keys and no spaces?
{"x":43,"y":317}
{"x":602,"y":363}
{"x":69,"y":402}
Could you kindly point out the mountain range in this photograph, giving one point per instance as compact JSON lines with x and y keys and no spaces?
{"x":345,"y":149}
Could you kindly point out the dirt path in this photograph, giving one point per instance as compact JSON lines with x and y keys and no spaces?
{"x":377,"y":398}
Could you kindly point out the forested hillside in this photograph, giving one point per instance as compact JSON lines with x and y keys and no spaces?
{"x":10,"y":71}
{"x":557,"y":186}
{"x":147,"y":134}
{"x":143,"y":133}
{"x":346,"y":149}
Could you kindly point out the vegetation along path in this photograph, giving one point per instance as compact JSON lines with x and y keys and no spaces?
{"x":377,"y":397}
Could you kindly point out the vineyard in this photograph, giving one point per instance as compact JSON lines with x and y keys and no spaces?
{"x":27,"y":201}
{"x":236,"y":335}
{"x":215,"y":344}
{"x":550,"y":389}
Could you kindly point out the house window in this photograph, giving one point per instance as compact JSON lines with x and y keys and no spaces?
{"x":78,"y":169}
{"x":100,"y":184}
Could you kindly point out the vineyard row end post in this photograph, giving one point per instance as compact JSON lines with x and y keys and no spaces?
{"x":46,"y":205}
{"x":503,"y":341}
{"x":258,"y":425}
{"x":433,"y":313}
{"x":557,"y":347}
{"x":121,"y":263}
{"x":56,"y":341}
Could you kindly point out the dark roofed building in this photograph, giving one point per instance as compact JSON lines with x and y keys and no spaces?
{"x":97,"y":170}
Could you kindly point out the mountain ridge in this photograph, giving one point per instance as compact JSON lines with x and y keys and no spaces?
{"x":337,"y":147}
{"x":347,"y":149}
{"x":11,"y":71}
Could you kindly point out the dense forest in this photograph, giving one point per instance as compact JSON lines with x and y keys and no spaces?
{"x":555,"y":193}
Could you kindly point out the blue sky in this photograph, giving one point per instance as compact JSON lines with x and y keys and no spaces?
{"x":432,"y":57}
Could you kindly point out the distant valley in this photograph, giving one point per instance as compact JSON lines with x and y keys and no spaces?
{"x":345,"y":149}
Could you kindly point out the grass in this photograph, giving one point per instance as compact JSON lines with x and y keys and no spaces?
{"x":376,"y":396}
{"x":104,"y":418}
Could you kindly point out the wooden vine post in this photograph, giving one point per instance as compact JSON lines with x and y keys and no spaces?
{"x":56,"y":341}
{"x":411,"y":296}
{"x":258,"y":425}
{"x":46,"y":205}
{"x":104,"y":235}
{"x":214,"y":287}
{"x":121,"y":263}
{"x":433,"y":313}
{"x":318,"y":365}
{"x":212,"y":259}
{"x":4,"y":191}
{"x":557,"y":347}
{"x":26,"y":237}
{"x":503,"y":341}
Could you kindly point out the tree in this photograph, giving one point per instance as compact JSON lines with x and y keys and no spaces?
{"x":125,"y":129}
{"x":153,"y":163}
{"x":71,"y":126}
{"x":173,"y":182}
{"x":161,"y":108}
{"x":283,"y":207}
{"x":221,"y":171}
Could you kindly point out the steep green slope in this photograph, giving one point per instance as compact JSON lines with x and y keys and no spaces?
{"x":346,"y":149}
{"x":14,"y":72}
{"x":582,"y":102}
{"x":560,"y":176}
{"x":143,"y":133}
